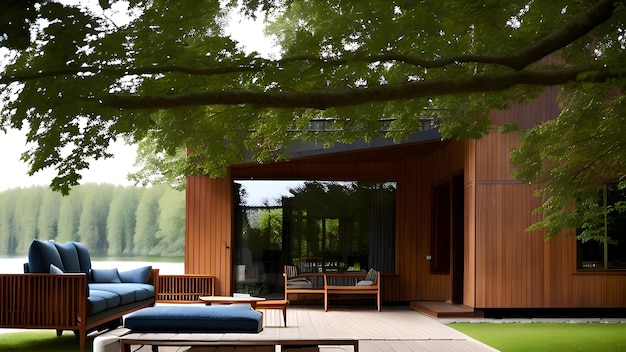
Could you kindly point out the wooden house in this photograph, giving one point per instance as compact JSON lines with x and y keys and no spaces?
{"x":460,"y":222}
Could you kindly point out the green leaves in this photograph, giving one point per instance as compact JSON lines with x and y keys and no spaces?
{"x":572,"y":156}
{"x":168,"y":73}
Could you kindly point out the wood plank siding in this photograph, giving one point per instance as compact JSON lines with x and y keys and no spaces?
{"x":503,"y":265}
{"x":515,"y":268}
{"x":208,"y":235}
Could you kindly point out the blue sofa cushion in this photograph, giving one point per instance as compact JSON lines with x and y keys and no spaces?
{"x":69,"y":257}
{"x":110,"y":276}
{"x":96,"y":304}
{"x":141,"y":291}
{"x":193,"y":318}
{"x":139,"y":275}
{"x":41,"y":254}
{"x":111,"y":299}
{"x":123,"y":291}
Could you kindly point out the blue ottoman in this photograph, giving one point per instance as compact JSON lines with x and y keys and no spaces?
{"x":196,"y":318}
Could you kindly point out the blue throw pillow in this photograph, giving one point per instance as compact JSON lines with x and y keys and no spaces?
{"x":139,"y":275}
{"x":105,"y":276}
{"x":69,"y":256}
{"x":41,"y":254}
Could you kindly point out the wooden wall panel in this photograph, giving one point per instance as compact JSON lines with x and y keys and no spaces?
{"x":407,"y":223}
{"x":515,"y":268}
{"x":469,"y":282}
{"x":208,"y":230}
{"x":417,"y":177}
{"x":508,"y":258}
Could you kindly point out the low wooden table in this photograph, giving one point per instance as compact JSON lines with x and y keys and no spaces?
{"x":225,"y":340}
{"x":208,"y":300}
{"x":275,"y":304}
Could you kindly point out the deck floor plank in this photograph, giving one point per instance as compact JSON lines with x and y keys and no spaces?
{"x":393,"y":329}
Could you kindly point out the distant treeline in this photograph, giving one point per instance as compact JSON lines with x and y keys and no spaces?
{"x":119,"y":221}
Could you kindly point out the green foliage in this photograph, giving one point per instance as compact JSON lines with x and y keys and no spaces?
{"x":121,"y":221}
{"x":572,"y":156}
{"x":271,"y":229}
{"x":169,"y":77}
{"x":107,"y":219}
{"x":147,"y":221}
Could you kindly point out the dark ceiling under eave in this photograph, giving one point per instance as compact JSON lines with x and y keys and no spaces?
{"x":329,"y":163}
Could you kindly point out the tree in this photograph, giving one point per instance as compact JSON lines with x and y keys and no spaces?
{"x":121,"y":221}
{"x":147,"y":222}
{"x":171,"y":233}
{"x":69,"y":216}
{"x":48,"y":214}
{"x":172,"y":74}
{"x":93,"y":217}
{"x":8,"y":232}
{"x":26,"y":214}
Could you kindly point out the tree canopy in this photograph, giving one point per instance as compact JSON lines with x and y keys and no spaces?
{"x":80,"y":76}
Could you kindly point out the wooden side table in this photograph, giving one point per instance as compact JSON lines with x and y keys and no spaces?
{"x":208,"y":300}
{"x":275,"y":304}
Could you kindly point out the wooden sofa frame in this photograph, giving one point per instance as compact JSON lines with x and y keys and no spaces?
{"x":51,"y":301}
{"x":187,"y":288}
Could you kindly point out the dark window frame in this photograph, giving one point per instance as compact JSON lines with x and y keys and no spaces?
{"x":609,"y":255}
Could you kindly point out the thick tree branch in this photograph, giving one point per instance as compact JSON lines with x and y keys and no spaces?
{"x":561,"y":37}
{"x":349,"y":97}
{"x":568,"y":33}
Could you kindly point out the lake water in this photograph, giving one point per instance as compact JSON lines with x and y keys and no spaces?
{"x":16,"y":266}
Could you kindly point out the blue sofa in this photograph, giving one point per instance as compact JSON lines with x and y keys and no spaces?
{"x":59,"y":289}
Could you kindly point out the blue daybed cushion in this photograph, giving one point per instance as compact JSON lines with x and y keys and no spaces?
{"x":210,"y":319}
{"x":139,"y":275}
{"x":110,"y":276}
{"x":41,"y":254}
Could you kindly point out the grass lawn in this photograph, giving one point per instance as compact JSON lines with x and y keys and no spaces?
{"x":41,"y":341}
{"x":547,"y":336}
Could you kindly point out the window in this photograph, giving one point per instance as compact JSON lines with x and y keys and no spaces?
{"x":320,"y":226}
{"x":608,"y":250}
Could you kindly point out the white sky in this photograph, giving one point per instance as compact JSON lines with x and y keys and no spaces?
{"x":13,"y":171}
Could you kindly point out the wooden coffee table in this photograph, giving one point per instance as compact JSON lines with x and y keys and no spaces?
{"x":209,"y":300}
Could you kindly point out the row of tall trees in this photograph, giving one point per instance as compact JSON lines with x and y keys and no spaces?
{"x":120,"y":221}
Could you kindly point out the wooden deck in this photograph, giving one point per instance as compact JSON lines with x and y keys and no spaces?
{"x":392,"y":329}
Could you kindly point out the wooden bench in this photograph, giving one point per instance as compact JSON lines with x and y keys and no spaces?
{"x":317,"y":282}
{"x":333,"y":283}
{"x":346,"y":283}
